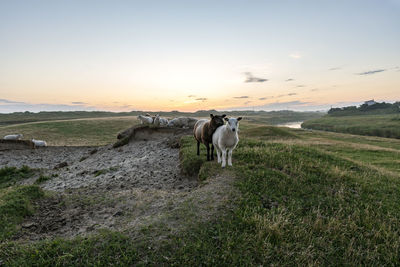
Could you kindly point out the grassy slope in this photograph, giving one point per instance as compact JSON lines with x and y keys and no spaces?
{"x":374,"y":125}
{"x":306,"y":199}
{"x":82,"y":132}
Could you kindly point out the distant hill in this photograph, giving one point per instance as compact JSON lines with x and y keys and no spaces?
{"x":271,"y":117}
{"x":367,"y":109}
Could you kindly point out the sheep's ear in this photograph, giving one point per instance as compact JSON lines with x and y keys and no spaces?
{"x":226,"y":119}
{"x":239,"y":118}
{"x":223,"y":116}
{"x":211,"y":116}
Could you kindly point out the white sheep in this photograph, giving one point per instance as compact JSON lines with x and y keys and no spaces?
{"x":159,"y":121}
{"x":182,"y":122}
{"x":145,"y":119}
{"x":225,"y":139}
{"x":13,"y":137}
{"x":39,"y":143}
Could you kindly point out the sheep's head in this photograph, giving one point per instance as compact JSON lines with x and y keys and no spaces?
{"x":216,"y":120}
{"x":233,"y":123}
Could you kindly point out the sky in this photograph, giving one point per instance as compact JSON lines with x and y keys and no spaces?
{"x":191,"y":55}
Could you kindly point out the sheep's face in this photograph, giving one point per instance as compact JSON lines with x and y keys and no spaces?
{"x":233,"y":124}
{"x":217,"y":120}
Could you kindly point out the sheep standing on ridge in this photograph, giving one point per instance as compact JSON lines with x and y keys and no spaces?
{"x":39,"y":143}
{"x":145,"y":119}
{"x":203,"y":133}
{"x":158,"y":121}
{"x":225,"y":139}
{"x":182,"y":122}
{"x":13,"y":137}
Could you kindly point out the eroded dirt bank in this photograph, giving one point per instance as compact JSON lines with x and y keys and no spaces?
{"x":121,"y":189}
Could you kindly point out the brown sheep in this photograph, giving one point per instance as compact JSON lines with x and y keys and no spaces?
{"x":203,"y":132}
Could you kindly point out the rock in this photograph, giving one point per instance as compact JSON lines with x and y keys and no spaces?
{"x":93,"y":151}
{"x":61,"y":165}
{"x":118,"y":213}
{"x":28,"y":225}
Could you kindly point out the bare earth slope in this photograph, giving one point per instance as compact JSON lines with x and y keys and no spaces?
{"x":121,"y":189}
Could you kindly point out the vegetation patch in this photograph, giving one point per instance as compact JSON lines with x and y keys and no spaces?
{"x":15,"y":204}
{"x":10,"y":175}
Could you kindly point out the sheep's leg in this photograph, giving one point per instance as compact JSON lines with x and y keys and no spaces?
{"x":223,"y":158}
{"x":212,"y":151}
{"x":218,"y":154}
{"x":230,"y":157}
{"x":208,"y":151}
{"x":198,"y":148}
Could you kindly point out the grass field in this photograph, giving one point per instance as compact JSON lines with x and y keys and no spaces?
{"x":387,"y":125}
{"x":304,"y":198}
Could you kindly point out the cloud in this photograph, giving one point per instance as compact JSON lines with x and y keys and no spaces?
{"x":239,"y":97}
{"x":264,"y":98}
{"x":289,"y":80}
{"x":6,"y":101}
{"x":370,"y":72}
{"x":300,"y":85}
{"x":251,"y":79}
{"x":78,"y":103}
{"x":290,"y":94}
{"x":314,"y":89}
{"x":295,"y":55}
{"x":191,"y":96}
{"x":335,"y":68}
{"x":201,"y":99}
{"x":9,"y":106}
{"x":247,"y":102}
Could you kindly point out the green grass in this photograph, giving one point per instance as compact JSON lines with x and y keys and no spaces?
{"x":10,"y":175}
{"x":374,"y":125}
{"x":305,"y":198}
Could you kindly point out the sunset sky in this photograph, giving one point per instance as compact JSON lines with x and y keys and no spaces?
{"x":191,"y":55}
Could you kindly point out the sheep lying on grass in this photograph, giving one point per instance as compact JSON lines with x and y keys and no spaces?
{"x":145,"y":119}
{"x":182,"y":122}
{"x":225,"y":139}
{"x":159,"y":121}
{"x":13,"y":137}
{"x":203,"y":133}
{"x":39,"y":143}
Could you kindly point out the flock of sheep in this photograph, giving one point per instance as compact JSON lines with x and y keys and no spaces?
{"x":180,"y":122}
{"x":36,"y":143}
{"x":223,"y":137}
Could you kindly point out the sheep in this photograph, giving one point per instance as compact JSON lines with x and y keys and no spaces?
{"x":145,"y":119}
{"x":13,"y":137}
{"x":158,"y":121}
{"x":225,"y":139}
{"x":203,"y":132}
{"x":39,"y":143}
{"x":182,"y":122}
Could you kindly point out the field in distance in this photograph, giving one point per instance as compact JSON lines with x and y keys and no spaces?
{"x":385,"y":125}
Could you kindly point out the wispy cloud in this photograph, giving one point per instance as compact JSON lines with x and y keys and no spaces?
{"x":335,"y":68}
{"x":251,"y":79}
{"x":201,"y":99}
{"x":240,"y":97}
{"x":370,"y":72}
{"x":314,"y":89}
{"x":247,"y":102}
{"x":191,"y":96}
{"x":290,"y":94}
{"x":264,"y":98}
{"x":300,"y":85}
{"x":6,"y":101}
{"x":8,"y":106}
{"x":289,"y":80}
{"x":78,"y":103}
